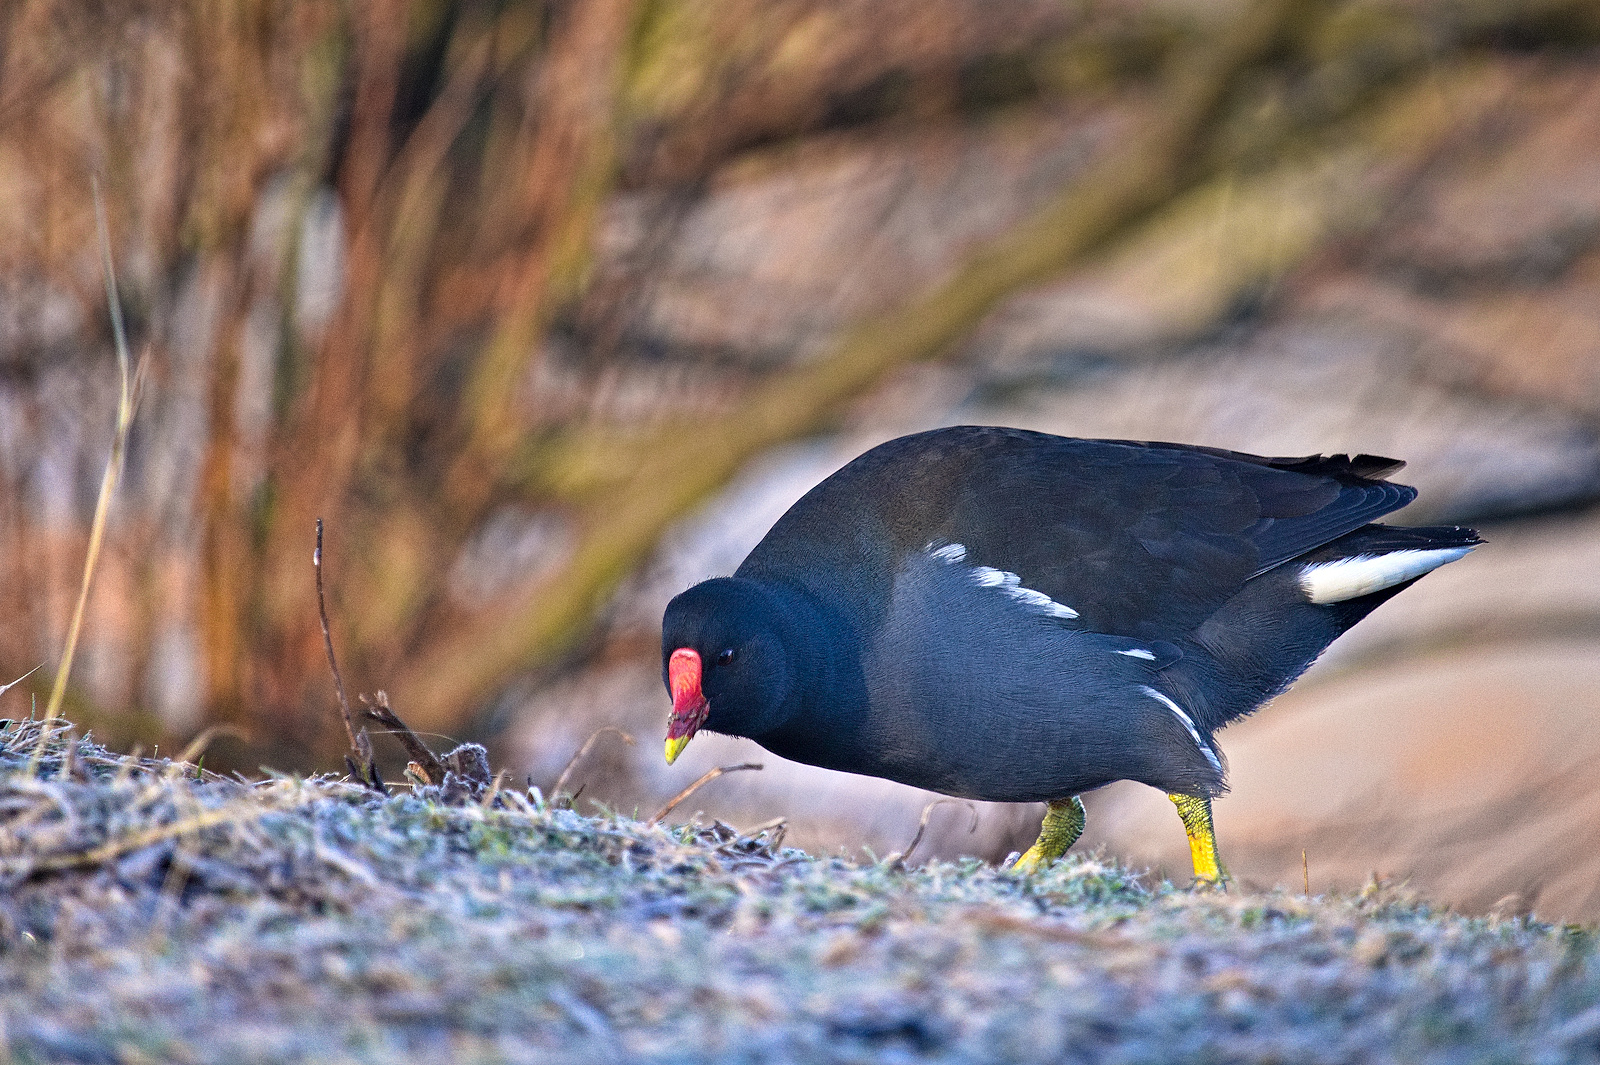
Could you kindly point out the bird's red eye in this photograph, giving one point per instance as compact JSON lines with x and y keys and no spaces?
{"x":725,"y":657}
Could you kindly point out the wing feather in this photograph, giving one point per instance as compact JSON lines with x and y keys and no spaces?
{"x":1144,"y":540}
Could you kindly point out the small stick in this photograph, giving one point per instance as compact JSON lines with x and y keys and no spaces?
{"x":487,"y":802}
{"x":1305,"y":868}
{"x":705,"y":778}
{"x":898,"y":861}
{"x":778,"y":826}
{"x":377,"y":708}
{"x":561,"y":781}
{"x":363,"y":745}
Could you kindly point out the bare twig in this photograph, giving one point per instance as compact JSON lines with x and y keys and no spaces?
{"x":898,"y":860}
{"x":377,"y":708}
{"x":360,"y":743}
{"x":707,"y":777}
{"x":778,"y":826}
{"x":108,"y":483}
{"x":367,"y":775}
{"x":1305,"y":868}
{"x":561,"y":781}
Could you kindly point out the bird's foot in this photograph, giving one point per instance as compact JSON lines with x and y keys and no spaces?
{"x":1030,"y":861}
{"x":1211,"y":884}
{"x":1063,"y":824}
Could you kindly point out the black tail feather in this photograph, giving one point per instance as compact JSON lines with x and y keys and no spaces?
{"x":1381,"y":539}
{"x":1266,"y":636}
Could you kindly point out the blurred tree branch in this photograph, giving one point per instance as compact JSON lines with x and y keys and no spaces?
{"x":371,"y":395}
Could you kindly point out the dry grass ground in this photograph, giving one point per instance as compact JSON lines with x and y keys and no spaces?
{"x":153,"y":911}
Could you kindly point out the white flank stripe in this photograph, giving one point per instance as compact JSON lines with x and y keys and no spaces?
{"x":1011,"y":584}
{"x":1039,"y":600}
{"x":1351,"y":578}
{"x":1139,"y":652}
{"x":989,"y":577}
{"x":1008,"y":582}
{"x":1188,"y":723}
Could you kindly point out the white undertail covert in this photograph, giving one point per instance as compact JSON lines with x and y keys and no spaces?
{"x":1350,"y":578}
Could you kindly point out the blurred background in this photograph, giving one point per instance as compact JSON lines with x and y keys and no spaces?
{"x":550,"y":309}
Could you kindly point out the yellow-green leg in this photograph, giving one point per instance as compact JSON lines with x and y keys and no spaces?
{"x":1063,"y":824}
{"x":1196,"y":815}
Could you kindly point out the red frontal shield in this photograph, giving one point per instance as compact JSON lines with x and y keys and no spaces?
{"x":689,"y":706}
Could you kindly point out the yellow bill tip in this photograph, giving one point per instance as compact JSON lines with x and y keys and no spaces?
{"x":675,"y":746}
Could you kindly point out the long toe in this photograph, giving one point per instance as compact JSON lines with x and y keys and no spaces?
{"x":1030,"y":861}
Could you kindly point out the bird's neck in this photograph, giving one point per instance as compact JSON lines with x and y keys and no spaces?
{"x":829,"y":691}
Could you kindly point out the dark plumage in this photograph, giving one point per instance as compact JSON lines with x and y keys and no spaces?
{"x":1006,"y":615}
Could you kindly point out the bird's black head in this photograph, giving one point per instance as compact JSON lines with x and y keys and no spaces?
{"x":724,"y":660}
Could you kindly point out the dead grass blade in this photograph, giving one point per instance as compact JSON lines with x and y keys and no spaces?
{"x":705,"y":778}
{"x":198,"y":745}
{"x":7,"y":687}
{"x":115,"y":848}
{"x":487,"y":802}
{"x":108,"y":482}
{"x":578,"y":756}
{"x":898,"y":859}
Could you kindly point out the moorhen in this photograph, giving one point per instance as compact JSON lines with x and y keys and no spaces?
{"x":1011,"y":616}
